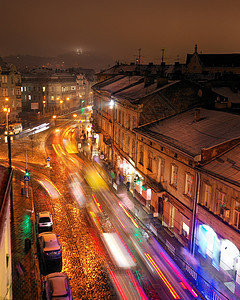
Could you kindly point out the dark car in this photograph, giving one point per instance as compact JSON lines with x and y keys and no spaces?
{"x":49,"y":246}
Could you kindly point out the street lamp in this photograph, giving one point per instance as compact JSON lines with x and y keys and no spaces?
{"x":7,"y":111}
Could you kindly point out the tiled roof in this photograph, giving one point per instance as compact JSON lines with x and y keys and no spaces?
{"x":227,"y":166}
{"x":182,"y":132}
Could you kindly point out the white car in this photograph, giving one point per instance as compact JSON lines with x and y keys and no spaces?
{"x":44,"y":221}
{"x":57,"y":286}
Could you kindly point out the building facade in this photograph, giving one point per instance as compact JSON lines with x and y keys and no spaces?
{"x":10,"y":92}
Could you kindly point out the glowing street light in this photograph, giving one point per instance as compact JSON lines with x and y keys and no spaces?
{"x":7,"y":111}
{"x":74,"y":115}
{"x":68,"y":99}
{"x":54,"y":116}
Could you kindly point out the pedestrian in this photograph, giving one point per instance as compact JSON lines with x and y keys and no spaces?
{"x":128,"y":186}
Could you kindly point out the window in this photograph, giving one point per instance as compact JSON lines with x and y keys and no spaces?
{"x":29,"y":97}
{"x":129,"y":122}
{"x":119,"y":116}
{"x":5,"y":92}
{"x":150,"y":158}
{"x":174,"y":173}
{"x":122,"y":141}
{"x":4,"y":78}
{"x":133,"y":122}
{"x":52,"y":97}
{"x":189,"y":185}
{"x":44,"y":88}
{"x":207,"y":195}
{"x":185,"y":230}
{"x":141,"y":155}
{"x":25,"y":89}
{"x":13,"y":92}
{"x":119,"y":137}
{"x":220,"y":203}
{"x":236,"y":222}
{"x":160,"y":169}
{"x":123,"y":119}
{"x":133,"y":148}
{"x":128,"y":145}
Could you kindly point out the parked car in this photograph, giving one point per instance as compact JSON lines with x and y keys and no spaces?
{"x":44,"y":221}
{"x":49,"y":246}
{"x":57,"y":286}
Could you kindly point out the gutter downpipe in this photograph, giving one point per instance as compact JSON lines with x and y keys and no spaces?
{"x":193,"y":229}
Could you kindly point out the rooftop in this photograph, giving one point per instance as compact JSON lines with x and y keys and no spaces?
{"x":190,"y":136}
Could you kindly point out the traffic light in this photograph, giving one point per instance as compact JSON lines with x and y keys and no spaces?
{"x":27,"y":173}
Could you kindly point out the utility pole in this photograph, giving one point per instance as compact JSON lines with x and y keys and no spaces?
{"x":162,"y":55}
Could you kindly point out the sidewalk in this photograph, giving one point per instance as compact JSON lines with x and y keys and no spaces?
{"x":26,"y":282}
{"x":199,"y":271}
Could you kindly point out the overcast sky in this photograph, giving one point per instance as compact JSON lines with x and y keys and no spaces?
{"x":120,"y":28}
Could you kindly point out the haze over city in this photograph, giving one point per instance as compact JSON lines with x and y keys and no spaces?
{"x":116,"y":30}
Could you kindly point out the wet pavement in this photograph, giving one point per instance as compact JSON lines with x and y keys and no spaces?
{"x":27,"y":280}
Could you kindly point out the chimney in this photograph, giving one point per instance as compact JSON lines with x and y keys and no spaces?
{"x":196,"y":115}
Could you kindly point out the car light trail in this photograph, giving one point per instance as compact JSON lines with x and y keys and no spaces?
{"x":55,"y":149}
{"x":118,"y":251}
{"x":184,"y":283}
{"x":136,"y":285}
{"x":126,"y":246}
{"x":114,"y":277}
{"x":127,"y":213}
{"x":50,"y":188}
{"x":98,"y":204}
{"x":164,"y":279}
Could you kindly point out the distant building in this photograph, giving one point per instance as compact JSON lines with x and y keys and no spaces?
{"x":47,"y":91}
{"x":212,"y":66}
{"x":10,"y":91}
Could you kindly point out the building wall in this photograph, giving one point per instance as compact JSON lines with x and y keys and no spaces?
{"x":5,"y":258}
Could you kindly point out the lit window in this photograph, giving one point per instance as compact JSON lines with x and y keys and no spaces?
{"x":185,"y":230}
{"x":4,"y":78}
{"x":174,"y":175}
{"x":44,"y":88}
{"x":29,"y":97}
{"x":189,"y":185}
{"x":160,"y":169}
{"x":207,"y":195}
{"x":52,"y":97}
{"x":236,"y":222}
{"x":220,"y":203}
{"x":21,"y":88}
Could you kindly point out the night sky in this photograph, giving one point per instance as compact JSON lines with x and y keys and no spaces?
{"x":120,"y":28}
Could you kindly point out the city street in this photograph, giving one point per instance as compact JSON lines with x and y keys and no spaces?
{"x":107,"y":253}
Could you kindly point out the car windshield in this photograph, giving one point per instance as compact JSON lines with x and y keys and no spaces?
{"x":44,"y":220}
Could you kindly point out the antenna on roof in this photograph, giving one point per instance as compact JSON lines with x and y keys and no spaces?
{"x":139,"y":56}
{"x":162,"y":55}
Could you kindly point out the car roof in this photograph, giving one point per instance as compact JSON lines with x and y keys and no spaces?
{"x":58,"y":285}
{"x":44,"y":214}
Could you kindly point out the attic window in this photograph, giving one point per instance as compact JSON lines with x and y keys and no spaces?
{"x":162,"y":149}
{"x":150,"y":143}
{"x":175,"y":155}
{"x":141,"y":139}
